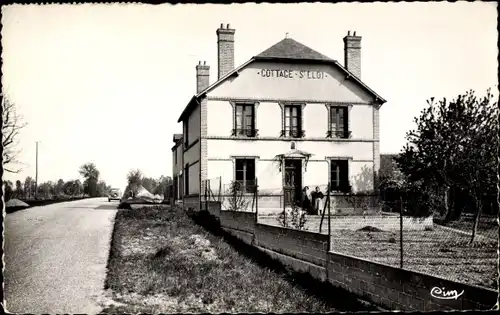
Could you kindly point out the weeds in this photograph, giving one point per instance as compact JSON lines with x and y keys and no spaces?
{"x":176,"y":266}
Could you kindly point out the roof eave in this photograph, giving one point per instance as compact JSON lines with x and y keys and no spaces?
{"x":228,"y":75}
{"x":378,"y":99}
{"x":187,"y":109}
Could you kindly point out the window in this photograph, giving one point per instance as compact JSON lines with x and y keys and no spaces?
{"x":245,"y":174}
{"x":244,"y":120}
{"x":292,"y":121}
{"x":186,"y":178}
{"x":339,"y":175}
{"x":338,"y":122}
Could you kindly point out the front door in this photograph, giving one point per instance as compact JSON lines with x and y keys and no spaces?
{"x":293,"y":182}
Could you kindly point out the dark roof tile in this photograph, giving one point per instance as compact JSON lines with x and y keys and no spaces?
{"x":291,"y":49}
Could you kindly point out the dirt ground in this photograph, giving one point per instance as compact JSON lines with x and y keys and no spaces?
{"x":441,"y":253}
{"x":162,"y":262}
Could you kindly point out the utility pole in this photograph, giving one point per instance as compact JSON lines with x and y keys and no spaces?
{"x":36,"y":172}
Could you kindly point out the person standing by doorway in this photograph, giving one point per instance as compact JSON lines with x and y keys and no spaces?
{"x":306,"y":199}
{"x":317,"y":197}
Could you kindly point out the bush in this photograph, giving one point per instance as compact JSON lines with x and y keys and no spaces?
{"x":296,"y":219}
{"x":237,"y":201}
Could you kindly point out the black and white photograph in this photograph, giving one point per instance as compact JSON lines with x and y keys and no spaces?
{"x":250,"y":158}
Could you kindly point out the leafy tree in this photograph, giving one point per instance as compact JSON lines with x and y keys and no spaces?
{"x":237,"y":200}
{"x":8,"y":189}
{"x":69,"y":188}
{"x":134,"y":180}
{"x":163,"y":183}
{"x":59,"y":187}
{"x":19,"y":189}
{"x":91,"y":174}
{"x":78,"y":187}
{"x":102,"y":189}
{"x":12,"y":123}
{"x":29,"y":187}
{"x":45,"y":190}
{"x":451,"y":150}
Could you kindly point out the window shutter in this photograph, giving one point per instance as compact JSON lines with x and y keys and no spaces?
{"x":346,"y":120}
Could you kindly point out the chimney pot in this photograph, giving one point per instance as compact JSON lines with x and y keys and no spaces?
{"x":202,"y":76}
{"x":225,"y":50}
{"x":354,"y":33}
{"x":352,"y":54}
{"x":348,"y":33}
{"x":221,"y":25}
{"x":204,"y":62}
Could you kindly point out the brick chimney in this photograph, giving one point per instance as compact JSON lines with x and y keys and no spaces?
{"x":225,"y":49}
{"x":202,"y":76}
{"x":352,"y":53}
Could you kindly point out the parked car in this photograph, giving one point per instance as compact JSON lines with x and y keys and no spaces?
{"x":114,"y":194}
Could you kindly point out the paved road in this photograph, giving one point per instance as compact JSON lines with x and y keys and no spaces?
{"x":56,"y":255}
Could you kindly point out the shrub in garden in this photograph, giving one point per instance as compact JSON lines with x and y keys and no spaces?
{"x":295,"y":219}
{"x":236,"y":200}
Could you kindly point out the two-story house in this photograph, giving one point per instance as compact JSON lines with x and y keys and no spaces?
{"x":289,"y":116}
{"x":177,"y":167}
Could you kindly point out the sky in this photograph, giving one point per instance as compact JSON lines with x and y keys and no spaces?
{"x":106,"y":83}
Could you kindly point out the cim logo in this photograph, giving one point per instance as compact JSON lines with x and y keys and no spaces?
{"x":442,"y":294}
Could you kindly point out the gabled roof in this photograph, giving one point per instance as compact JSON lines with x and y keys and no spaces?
{"x":286,"y":50}
{"x":291,"y":49}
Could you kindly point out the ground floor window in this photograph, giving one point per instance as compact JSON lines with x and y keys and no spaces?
{"x":186,"y":178}
{"x":339,"y":175}
{"x":245,"y":174}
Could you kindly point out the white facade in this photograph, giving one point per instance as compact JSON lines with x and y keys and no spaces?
{"x":269,"y":95}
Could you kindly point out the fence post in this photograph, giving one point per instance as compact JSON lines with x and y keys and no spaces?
{"x":256,"y":194}
{"x":284,"y":208}
{"x":206,"y":190}
{"x":401,"y":231}
{"x":329,"y":218}
{"x":220,"y":189}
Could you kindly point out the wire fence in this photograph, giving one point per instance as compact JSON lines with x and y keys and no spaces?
{"x":388,"y":228}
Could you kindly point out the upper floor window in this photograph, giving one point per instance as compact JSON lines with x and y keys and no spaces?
{"x":338,"y":122}
{"x":339,"y":175}
{"x":292,"y":126}
{"x":245,"y":174}
{"x":244,"y":120}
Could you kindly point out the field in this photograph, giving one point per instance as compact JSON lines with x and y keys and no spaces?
{"x":440,"y":252}
{"x":163,"y":262}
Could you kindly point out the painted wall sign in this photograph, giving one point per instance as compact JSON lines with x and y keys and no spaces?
{"x":292,"y":74}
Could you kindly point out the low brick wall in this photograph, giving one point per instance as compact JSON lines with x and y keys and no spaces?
{"x":310,"y":247}
{"x":213,"y":207}
{"x":385,"y":223}
{"x":384,"y":285}
{"x":191,"y":202}
{"x":400,"y":289}
{"x":239,"y":224}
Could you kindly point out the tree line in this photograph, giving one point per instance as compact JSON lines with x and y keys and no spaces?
{"x":92,"y":186}
{"x":449,"y":165}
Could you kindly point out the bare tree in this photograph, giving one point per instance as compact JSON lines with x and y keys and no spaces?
{"x":12,"y":123}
